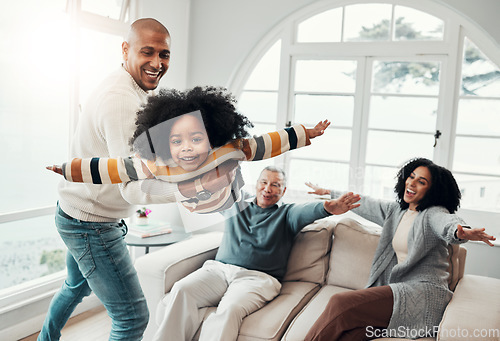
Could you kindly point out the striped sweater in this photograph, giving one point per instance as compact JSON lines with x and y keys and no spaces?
{"x":132,"y":168}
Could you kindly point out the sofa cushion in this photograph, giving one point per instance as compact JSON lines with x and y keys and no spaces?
{"x":352,"y":254}
{"x":308,"y":259}
{"x":355,"y":247}
{"x":474,"y":308}
{"x":272,"y":320}
{"x":306,"y":318}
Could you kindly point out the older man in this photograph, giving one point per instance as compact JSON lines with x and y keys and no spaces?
{"x":249,"y":265}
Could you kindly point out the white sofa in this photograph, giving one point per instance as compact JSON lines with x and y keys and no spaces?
{"x":327,"y":257}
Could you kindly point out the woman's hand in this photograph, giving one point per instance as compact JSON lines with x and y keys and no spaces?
{"x":55,"y":168}
{"x":477,"y":234}
{"x":343,"y":204}
{"x":317,"y":190}
{"x":318,"y":130}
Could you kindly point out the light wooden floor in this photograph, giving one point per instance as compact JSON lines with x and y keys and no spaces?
{"x":94,"y":325}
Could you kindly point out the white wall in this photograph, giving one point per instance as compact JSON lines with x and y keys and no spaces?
{"x":174,"y":14}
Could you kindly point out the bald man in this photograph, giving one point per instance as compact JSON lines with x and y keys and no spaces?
{"x":89,"y":217}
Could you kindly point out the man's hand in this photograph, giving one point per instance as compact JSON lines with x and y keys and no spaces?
{"x":55,"y":168}
{"x":343,"y":204}
{"x":213,"y":180}
{"x":477,"y":234}
{"x":318,"y":130}
{"x":317,"y":190}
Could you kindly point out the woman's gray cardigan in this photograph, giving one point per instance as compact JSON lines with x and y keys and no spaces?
{"x":420,"y":283}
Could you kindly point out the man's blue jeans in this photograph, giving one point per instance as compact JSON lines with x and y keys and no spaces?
{"x":98,"y":261}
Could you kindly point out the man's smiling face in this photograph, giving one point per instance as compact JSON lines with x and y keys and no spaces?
{"x":147,"y":57}
{"x":270,"y":188}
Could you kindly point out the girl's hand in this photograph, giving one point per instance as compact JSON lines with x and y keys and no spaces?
{"x":477,"y":234}
{"x":55,"y":168}
{"x":317,"y":190}
{"x":318,"y":130}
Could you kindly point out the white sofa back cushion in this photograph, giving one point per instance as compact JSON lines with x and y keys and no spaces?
{"x":309,"y":257}
{"x":352,"y":254}
{"x":353,"y":250}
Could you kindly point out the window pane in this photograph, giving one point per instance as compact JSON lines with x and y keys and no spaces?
{"x":403,"y":113}
{"x":416,"y":25}
{"x":259,"y":129}
{"x":477,"y":155}
{"x":265,"y":76}
{"x":251,"y":171}
{"x":480,"y":77}
{"x":30,"y":249}
{"x":259,"y":106}
{"x":479,"y":192}
{"x":34,"y":101}
{"x":323,"y":27}
{"x":325,"y":174}
{"x":106,"y":8}
{"x":325,"y":76}
{"x":419,"y":78}
{"x":310,"y":109}
{"x":395,"y":148}
{"x":478,"y":117}
{"x":335,"y":144}
{"x":379,"y":182}
{"x":367,"y":22}
{"x":100,"y":54}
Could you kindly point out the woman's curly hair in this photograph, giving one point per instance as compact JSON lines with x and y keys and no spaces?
{"x":217,"y":106}
{"x":444,"y":189}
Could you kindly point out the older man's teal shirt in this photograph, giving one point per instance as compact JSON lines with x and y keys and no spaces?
{"x":261,"y":238}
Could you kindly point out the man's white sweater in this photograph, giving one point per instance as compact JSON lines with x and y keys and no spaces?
{"x":104,"y":130}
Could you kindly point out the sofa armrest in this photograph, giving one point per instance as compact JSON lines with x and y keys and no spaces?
{"x":473,"y":313}
{"x":162,"y":268}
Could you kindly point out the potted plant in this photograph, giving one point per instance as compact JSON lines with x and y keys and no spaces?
{"x":142,"y":216}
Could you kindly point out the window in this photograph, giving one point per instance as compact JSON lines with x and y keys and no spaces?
{"x":476,"y":161}
{"x":48,"y":67}
{"x":35,"y":131}
{"x":385,"y":75}
{"x":106,"y":8}
{"x":259,"y":101}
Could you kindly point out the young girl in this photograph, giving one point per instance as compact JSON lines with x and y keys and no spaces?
{"x":183,"y":135}
{"x":407,"y":289}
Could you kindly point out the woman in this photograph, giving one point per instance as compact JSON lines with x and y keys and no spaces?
{"x":407,"y":289}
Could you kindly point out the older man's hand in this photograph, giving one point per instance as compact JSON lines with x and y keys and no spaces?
{"x":345,"y":203}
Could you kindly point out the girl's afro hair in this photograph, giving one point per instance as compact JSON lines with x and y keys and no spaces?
{"x":217,"y":106}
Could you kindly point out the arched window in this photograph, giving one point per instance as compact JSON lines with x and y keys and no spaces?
{"x":388,"y":77}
